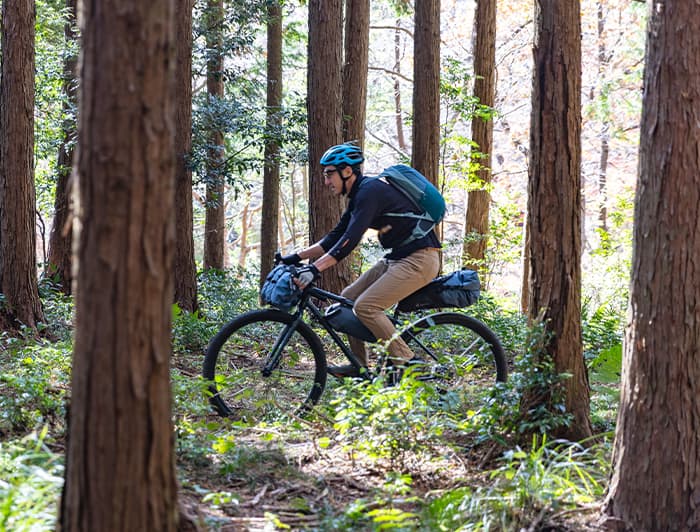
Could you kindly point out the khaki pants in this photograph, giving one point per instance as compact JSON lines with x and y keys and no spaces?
{"x":383,"y":285}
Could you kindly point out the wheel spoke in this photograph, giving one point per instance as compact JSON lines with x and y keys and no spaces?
{"x":240,"y":353}
{"x":462,"y":353}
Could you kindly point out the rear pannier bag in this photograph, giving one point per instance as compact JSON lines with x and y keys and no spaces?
{"x":456,"y":290}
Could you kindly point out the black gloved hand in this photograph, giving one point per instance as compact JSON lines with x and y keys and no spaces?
{"x":292,"y":259}
{"x":306,"y":275}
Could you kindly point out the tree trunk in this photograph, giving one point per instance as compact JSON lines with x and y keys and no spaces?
{"x":185,"y":270}
{"x":554,"y":198}
{"x":479,"y":201}
{"x":120,"y":470}
{"x":243,"y":239}
{"x":18,"y":275}
{"x":61,"y":238}
{"x":605,"y":127}
{"x":271,"y":175}
{"x":400,"y":137}
{"x":426,"y":89}
{"x":656,"y":480}
{"x":525,"y":282}
{"x":325,"y":111}
{"x":215,"y":217}
{"x":355,"y":70}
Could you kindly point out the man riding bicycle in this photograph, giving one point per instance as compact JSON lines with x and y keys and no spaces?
{"x":410,"y":265}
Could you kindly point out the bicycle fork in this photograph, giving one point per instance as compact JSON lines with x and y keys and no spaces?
{"x":275,"y":355}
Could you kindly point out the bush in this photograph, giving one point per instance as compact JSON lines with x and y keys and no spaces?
{"x":31,"y":478}
{"x":389,"y":422}
{"x":33,"y":384}
{"x":532,"y":489}
{"x":531,"y":401}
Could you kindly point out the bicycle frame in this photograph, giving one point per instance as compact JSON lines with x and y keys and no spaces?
{"x":305,"y":303}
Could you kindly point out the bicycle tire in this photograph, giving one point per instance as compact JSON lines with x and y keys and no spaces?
{"x":456,"y":351}
{"x":235,"y":357}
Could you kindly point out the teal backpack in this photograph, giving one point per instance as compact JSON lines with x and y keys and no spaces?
{"x":422,"y":193}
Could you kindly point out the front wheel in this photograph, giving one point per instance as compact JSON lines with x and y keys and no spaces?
{"x":246,"y":377}
{"x":456,"y":352}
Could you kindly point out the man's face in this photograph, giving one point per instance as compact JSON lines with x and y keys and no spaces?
{"x":332,"y":179}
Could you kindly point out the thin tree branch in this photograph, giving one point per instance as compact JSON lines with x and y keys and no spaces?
{"x":392,"y":73}
{"x":394,"y":28}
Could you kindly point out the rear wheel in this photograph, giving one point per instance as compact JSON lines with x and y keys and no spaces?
{"x":456,"y":352}
{"x":247,"y":383}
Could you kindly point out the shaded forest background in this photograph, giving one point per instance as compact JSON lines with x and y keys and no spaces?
{"x":612,"y":51}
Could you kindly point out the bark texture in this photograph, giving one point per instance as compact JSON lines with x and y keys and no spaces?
{"x":215,"y":218}
{"x":60,"y":239}
{"x":271,"y":175}
{"x":479,"y":201}
{"x":185,"y":270}
{"x":355,"y":70}
{"x":120,"y":471}
{"x":18,"y":275}
{"x":554,"y":198}
{"x":426,"y":89}
{"x":325,"y":109}
{"x":656,"y":480}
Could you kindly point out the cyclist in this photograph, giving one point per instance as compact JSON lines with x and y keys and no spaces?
{"x":409,"y":265}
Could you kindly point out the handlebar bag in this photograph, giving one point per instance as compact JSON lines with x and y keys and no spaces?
{"x":279,"y":289}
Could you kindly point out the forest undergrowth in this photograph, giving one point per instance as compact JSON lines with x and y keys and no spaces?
{"x":370,"y":458}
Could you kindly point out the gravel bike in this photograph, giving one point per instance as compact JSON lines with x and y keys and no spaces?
{"x":266,"y":361}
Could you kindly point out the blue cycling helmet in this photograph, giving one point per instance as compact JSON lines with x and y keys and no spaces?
{"x":343,"y":154}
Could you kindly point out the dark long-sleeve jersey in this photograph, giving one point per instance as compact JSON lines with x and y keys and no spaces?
{"x":370,"y":200}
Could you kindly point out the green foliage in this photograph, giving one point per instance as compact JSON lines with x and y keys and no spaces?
{"x":607,"y":270}
{"x":241,"y":153}
{"x":531,"y":401}
{"x":530,"y":489}
{"x":385,"y":511}
{"x":31,"y":477}
{"x":51,"y":111}
{"x":191,"y":332}
{"x":400,"y":426}
{"x":241,"y":114}
{"x":240,"y":26}
{"x":505,"y":240}
{"x":194,"y":437}
{"x":223,"y":295}
{"x":33,"y":383}
{"x":58,"y":311}
{"x":388,"y":422}
{"x":601,"y":328}
{"x":607,"y":366}
{"x":459,"y":153}
{"x":35,"y":372}
{"x":503,"y":249}
{"x":605,"y":372}
{"x":510,"y":326}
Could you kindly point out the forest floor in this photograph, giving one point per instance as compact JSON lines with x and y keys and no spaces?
{"x":304,"y":476}
{"x":296,"y":485}
{"x":435,"y":471}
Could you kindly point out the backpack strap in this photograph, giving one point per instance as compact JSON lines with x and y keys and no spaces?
{"x":420,"y":229}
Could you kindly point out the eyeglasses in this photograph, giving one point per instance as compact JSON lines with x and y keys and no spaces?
{"x":327,"y":173}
